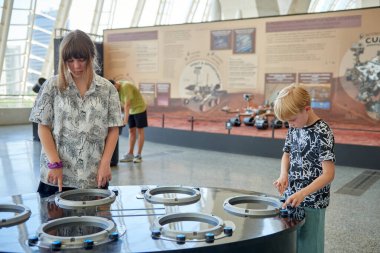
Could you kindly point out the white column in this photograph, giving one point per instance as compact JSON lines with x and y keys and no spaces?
{"x":97,"y":16}
{"x":238,"y":14}
{"x":215,"y":13}
{"x":138,"y":11}
{"x":4,"y":29}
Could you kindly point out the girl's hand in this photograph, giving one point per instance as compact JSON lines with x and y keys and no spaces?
{"x":55,"y":176}
{"x":104,"y":174}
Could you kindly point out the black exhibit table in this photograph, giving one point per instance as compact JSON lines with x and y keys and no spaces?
{"x":147,"y":219}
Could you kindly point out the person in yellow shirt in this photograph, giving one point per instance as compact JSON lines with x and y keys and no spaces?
{"x":135,"y":116}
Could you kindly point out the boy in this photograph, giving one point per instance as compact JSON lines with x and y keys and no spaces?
{"x":307,"y":164}
{"x":135,"y":116}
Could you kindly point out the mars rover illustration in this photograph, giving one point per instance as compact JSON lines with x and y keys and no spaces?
{"x":202,"y":86}
{"x":366,"y":77}
{"x":204,"y":97}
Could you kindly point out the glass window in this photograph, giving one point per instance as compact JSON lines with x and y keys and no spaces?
{"x":41,"y":37}
{"x":15,"y":47}
{"x":22,"y":4}
{"x":38,"y":51}
{"x":149,"y":13}
{"x":176,"y":12}
{"x":124,"y":12}
{"x":18,"y":32}
{"x":199,"y":12}
{"x":37,"y":64}
{"x":80,"y":16}
{"x":33,"y":77}
{"x":1,"y":8}
{"x":20,"y":17}
{"x":47,"y":6}
{"x":15,"y":61}
{"x":45,"y":21}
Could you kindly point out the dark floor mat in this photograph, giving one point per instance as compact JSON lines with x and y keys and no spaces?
{"x":360,"y":184}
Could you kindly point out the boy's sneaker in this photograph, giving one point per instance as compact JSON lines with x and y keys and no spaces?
{"x":137,"y":159}
{"x":127,"y":158}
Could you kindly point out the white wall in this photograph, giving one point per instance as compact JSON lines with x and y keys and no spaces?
{"x":14,"y":116}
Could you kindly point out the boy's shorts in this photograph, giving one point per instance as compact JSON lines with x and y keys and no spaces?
{"x":139,"y":120}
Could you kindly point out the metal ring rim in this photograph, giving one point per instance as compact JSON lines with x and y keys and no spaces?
{"x":109,"y":197}
{"x":273,"y":203}
{"x":45,"y":239}
{"x":150,"y":195}
{"x":217,"y":229}
{"x":23,"y":214}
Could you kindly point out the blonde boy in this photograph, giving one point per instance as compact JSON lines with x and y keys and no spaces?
{"x":307,"y":164}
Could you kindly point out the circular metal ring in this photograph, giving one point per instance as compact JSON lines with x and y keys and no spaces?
{"x":23,"y":214}
{"x":217,"y":229}
{"x":194,"y":195}
{"x":273,"y":204}
{"x":46,"y":240}
{"x":107,"y":197}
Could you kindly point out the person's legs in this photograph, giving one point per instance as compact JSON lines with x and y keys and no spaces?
{"x":128,"y":157}
{"x":132,"y":140}
{"x":311,"y":236}
{"x":141,"y":139}
{"x":141,"y":120}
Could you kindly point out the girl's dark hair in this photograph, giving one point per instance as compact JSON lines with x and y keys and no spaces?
{"x":78,"y":45}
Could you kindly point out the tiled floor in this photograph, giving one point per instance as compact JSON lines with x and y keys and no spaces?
{"x":352,"y":219}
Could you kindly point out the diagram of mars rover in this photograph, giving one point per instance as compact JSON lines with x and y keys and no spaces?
{"x":204,"y":91}
{"x":366,"y":77}
{"x":204,"y":97}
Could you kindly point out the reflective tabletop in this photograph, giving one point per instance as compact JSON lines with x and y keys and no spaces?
{"x":131,"y":222}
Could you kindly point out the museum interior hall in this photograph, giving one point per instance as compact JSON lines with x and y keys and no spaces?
{"x":209,"y":72}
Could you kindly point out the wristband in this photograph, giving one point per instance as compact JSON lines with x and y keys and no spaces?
{"x":56,"y":165}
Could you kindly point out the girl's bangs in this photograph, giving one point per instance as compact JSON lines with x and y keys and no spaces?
{"x":76,"y":52}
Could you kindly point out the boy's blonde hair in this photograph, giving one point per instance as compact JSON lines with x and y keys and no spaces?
{"x":290,"y":101}
{"x":78,"y":45}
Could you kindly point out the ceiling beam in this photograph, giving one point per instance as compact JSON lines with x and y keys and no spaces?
{"x":267,"y":8}
{"x":299,"y":6}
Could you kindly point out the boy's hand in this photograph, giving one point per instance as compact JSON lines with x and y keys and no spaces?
{"x":281,"y":183}
{"x":294,"y":200}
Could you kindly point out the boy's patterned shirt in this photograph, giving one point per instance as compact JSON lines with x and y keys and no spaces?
{"x":307,"y":148}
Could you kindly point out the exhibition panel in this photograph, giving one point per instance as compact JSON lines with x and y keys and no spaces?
{"x":197,"y":77}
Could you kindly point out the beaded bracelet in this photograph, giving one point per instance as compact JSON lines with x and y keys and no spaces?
{"x":56,"y":165}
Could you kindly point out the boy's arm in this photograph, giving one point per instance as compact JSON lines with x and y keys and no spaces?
{"x":282,"y":182}
{"x":285,"y":161}
{"x":327,"y":177}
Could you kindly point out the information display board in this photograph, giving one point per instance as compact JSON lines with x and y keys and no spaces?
{"x":208,"y":66}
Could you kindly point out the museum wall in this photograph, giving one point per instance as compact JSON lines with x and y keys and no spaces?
{"x":205,"y":70}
